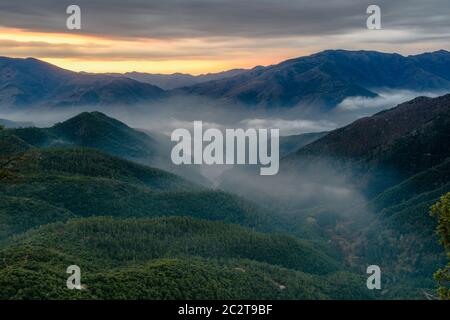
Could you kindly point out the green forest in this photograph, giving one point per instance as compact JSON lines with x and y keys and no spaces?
{"x":138,"y":232}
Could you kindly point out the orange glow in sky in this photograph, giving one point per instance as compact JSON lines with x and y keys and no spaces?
{"x":92,"y":53}
{"x":89,"y":53}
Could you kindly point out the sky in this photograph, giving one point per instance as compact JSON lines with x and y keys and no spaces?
{"x":201,"y":36}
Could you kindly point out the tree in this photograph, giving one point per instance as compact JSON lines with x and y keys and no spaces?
{"x":8,"y":161}
{"x":3,"y":172}
{"x":441,"y":210}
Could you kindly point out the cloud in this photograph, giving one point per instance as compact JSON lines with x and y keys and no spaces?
{"x":225,"y":18}
{"x":92,"y":50}
{"x":214,"y":35}
{"x":385,"y":99}
{"x":290,"y":127}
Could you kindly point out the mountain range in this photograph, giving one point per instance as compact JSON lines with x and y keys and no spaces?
{"x":91,"y":191}
{"x":179,"y":80}
{"x":319,"y":81}
{"x":31,"y":82}
{"x":325,"y":79}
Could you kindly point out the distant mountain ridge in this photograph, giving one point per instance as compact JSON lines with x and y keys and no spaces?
{"x":179,"y":80}
{"x":15,"y":124}
{"x":319,"y":81}
{"x":326,"y":78}
{"x":31,"y":82}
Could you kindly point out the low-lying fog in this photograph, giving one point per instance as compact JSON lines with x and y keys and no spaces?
{"x":178,"y":112}
{"x":319,"y":183}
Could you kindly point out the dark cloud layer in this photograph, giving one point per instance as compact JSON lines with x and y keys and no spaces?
{"x":219,"y":18}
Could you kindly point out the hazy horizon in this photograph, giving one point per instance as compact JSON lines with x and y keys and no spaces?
{"x":200,"y":36}
{"x":218,"y":71}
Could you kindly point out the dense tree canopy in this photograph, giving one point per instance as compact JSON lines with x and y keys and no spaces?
{"x":442,"y":211}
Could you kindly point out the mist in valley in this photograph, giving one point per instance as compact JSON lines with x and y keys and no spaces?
{"x":308,"y":191}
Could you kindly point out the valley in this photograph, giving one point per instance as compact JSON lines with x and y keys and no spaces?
{"x":96,"y":187}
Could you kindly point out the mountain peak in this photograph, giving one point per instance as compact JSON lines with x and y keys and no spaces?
{"x":441,"y":51}
{"x":97,"y":130}
{"x":94,"y":120}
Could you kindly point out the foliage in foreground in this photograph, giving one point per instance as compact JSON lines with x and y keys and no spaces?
{"x":442,"y":211}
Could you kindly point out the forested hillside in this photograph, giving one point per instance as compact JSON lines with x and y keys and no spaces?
{"x":97,"y":130}
{"x":170,"y":258}
{"x":94,"y":130}
{"x":400,"y":159}
{"x":53,"y":200}
{"x":68,"y":196}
